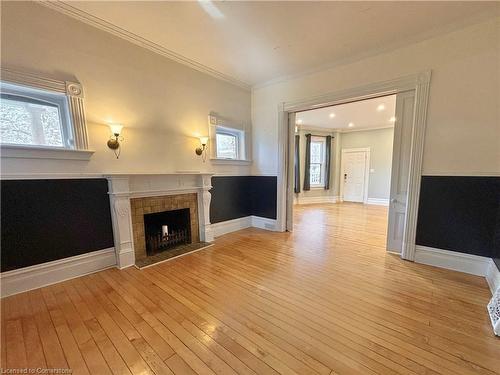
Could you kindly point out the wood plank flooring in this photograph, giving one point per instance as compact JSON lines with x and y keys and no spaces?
{"x":326,"y":299}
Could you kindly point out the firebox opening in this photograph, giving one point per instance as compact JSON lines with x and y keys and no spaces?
{"x":166,"y":230}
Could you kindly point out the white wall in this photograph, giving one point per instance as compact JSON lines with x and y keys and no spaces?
{"x":163,"y":104}
{"x":463,"y":130}
{"x":380,"y":144}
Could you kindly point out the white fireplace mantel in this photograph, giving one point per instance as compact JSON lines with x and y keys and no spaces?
{"x":123,"y":187}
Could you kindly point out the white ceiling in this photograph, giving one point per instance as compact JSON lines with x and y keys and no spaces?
{"x":363,"y":115}
{"x":257,"y":42}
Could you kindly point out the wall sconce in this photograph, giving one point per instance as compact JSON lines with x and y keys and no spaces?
{"x":202,"y":151}
{"x":114,"y":140}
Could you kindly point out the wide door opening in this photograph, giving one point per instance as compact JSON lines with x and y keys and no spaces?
{"x":351,"y":167}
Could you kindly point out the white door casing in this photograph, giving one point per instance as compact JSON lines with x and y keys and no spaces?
{"x":401,"y":156}
{"x":355,"y":164}
{"x":420,"y":84}
{"x":291,"y":171}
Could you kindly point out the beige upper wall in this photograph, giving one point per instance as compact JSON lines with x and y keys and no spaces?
{"x":161,"y":103}
{"x":463,"y":129}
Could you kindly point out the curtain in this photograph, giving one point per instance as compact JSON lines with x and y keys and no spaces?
{"x":307,"y":178}
{"x":328,"y":157}
{"x":296,"y":187}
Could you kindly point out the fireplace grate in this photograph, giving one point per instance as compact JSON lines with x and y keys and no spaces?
{"x":158,"y":242}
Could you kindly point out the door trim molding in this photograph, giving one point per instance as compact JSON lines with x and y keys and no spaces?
{"x":366,"y":181}
{"x":419,"y":82}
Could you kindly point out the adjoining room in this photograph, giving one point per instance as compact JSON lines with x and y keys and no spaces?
{"x":342,"y":160}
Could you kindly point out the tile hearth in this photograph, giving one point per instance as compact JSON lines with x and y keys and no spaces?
{"x":174,"y":253}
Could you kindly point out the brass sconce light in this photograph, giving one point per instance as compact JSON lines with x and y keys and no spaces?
{"x":202,"y":151}
{"x":114,"y":140}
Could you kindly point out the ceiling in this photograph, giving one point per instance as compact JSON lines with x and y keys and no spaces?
{"x":252,"y":43}
{"x":363,"y":115}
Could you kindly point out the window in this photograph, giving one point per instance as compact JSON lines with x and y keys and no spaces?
{"x":229,"y":143}
{"x":33,"y":117}
{"x":227,"y":146}
{"x":317,"y":166}
{"x":41,"y":118}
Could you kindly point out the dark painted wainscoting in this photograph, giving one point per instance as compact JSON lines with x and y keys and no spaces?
{"x":239,"y":196}
{"x":46,"y":220}
{"x":460,"y":214}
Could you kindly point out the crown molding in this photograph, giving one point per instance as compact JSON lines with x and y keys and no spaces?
{"x":80,"y":15}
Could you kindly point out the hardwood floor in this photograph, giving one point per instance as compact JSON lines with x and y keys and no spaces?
{"x":326,"y":299}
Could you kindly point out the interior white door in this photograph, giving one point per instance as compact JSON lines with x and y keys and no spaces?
{"x":405,"y":102}
{"x":354,"y":169}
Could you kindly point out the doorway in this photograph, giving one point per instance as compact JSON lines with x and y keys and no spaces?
{"x":343,"y":158}
{"x":412,"y":96}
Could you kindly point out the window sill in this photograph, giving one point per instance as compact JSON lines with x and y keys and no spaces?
{"x":317,"y":187}
{"x":29,"y":152}
{"x":230,"y":161}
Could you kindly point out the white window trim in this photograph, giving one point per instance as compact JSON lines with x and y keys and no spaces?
{"x":323,"y":166}
{"x":74,"y":94}
{"x":215,"y":123}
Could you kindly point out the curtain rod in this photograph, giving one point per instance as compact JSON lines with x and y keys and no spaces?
{"x":315,"y":135}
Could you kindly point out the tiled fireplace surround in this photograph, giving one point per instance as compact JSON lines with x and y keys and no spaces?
{"x":150,"y":205}
{"x":133,"y":195}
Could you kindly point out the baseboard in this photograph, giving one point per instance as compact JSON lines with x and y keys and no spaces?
{"x":229,"y":226}
{"x":452,"y":260}
{"x":37,"y":276}
{"x":264,"y":223}
{"x":316,"y":200}
{"x":378,"y":201}
{"x":493,"y":276}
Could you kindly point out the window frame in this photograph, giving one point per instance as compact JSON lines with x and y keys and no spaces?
{"x":218,"y":125}
{"x":322,"y":141}
{"x":70,"y":100}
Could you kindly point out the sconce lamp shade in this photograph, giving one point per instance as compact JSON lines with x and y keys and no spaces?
{"x":203,"y":140}
{"x":116,"y":128}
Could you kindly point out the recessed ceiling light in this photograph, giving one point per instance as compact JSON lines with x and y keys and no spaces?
{"x":350,"y":125}
{"x":332,"y":115}
{"x":381,"y":107}
{"x":392,"y":119}
{"x":299,"y":121}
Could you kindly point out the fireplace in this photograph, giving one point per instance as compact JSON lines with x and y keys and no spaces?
{"x":171,"y":199}
{"x":155,"y":216}
{"x":167,"y":230}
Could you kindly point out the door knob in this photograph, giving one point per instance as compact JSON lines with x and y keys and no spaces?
{"x":394,"y":200}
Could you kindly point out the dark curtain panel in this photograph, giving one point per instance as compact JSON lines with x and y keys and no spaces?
{"x":296,"y":187}
{"x":307,"y":178}
{"x":328,"y":157}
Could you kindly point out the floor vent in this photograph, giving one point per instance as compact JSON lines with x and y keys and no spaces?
{"x":494,"y":310}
